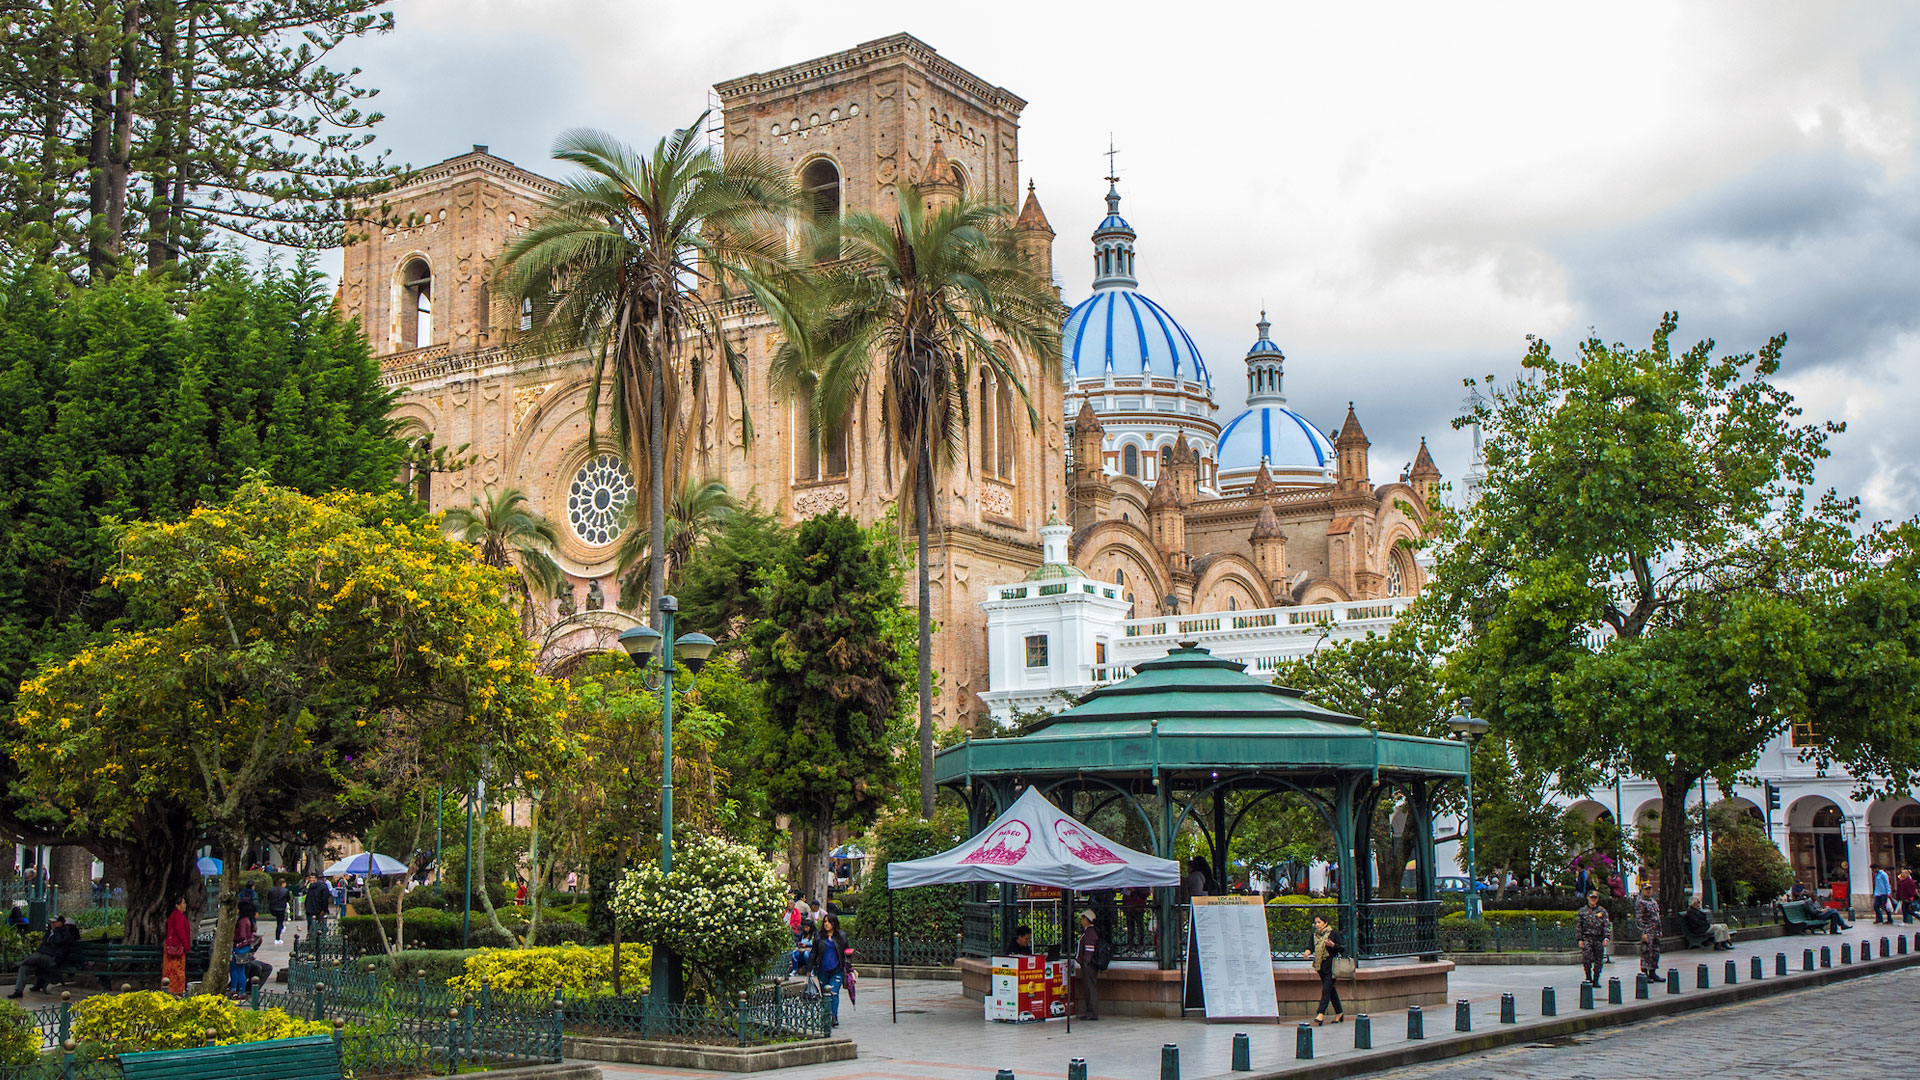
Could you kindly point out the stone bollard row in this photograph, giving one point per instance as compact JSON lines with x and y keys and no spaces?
{"x":1363,"y":1032}
{"x":1614,"y":996}
{"x":1640,"y":990}
{"x":1758,"y":971}
{"x":1463,"y":1015}
{"x":1733,"y":973}
{"x":1303,"y":1041}
{"x":1169,"y":1061}
{"x":1806,"y":960}
{"x":1242,"y":1054}
{"x":1548,"y":1005}
{"x":1826,"y":956}
{"x":1846,"y":952}
{"x":1673,"y":980}
{"x":1586,"y":995}
{"x":1416,"y":1023}
{"x":1506,"y":1009}
{"x":1700,"y":978}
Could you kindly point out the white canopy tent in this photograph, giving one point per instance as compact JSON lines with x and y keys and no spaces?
{"x":1033,"y":843}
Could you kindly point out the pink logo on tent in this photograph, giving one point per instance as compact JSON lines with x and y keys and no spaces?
{"x":1003,"y":846}
{"x":1084,"y":847}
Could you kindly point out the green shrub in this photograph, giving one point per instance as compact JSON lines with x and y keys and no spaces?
{"x":932,"y":913}
{"x":1748,"y":868}
{"x":563,"y":932}
{"x":19,"y":1037}
{"x":722,"y":909}
{"x":438,"y":964}
{"x":1544,"y":931}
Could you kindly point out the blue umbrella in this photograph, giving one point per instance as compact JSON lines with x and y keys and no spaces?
{"x":207,"y":866}
{"x":367,"y":863}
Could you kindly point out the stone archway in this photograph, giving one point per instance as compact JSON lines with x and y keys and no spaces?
{"x":1817,"y":844}
{"x":1228,"y":582}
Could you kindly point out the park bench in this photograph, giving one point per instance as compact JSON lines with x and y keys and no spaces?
{"x":311,"y":1057}
{"x":1695,"y":941}
{"x":116,"y":961}
{"x":1797,"y":921}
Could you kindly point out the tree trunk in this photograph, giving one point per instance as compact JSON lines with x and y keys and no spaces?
{"x":922,"y":521}
{"x":818,"y":859}
{"x":1675,"y":842}
{"x":164,"y":26}
{"x":613,"y":912}
{"x":120,"y":159}
{"x":479,"y":855}
{"x":158,"y":866}
{"x":657,"y":467}
{"x":228,"y":912}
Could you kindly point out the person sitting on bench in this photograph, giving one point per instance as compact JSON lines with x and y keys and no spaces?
{"x":1700,"y":926}
{"x":1818,"y":912}
{"x":59,"y":949}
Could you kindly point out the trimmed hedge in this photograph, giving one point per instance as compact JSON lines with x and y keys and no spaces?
{"x":431,"y":928}
{"x":1509,"y":931}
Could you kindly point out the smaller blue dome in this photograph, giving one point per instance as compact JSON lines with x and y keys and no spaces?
{"x":1113,"y":223}
{"x":1277,"y":435}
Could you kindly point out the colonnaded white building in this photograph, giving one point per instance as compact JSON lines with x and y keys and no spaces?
{"x":1060,"y":633}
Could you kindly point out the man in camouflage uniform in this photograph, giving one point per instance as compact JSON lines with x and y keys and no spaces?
{"x":1594,"y":928}
{"x":1646,"y":916}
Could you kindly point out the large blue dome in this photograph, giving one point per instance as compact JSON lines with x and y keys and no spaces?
{"x":1277,"y":435}
{"x":1120,"y":331}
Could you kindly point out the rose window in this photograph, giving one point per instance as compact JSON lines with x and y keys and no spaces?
{"x":597,"y":499}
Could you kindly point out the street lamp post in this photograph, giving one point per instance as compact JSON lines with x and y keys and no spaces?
{"x":1619,"y":818}
{"x":1469,"y":728}
{"x":692,"y":650}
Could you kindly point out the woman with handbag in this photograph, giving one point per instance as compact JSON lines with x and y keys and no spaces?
{"x":1327,"y":949}
{"x":173,"y":954}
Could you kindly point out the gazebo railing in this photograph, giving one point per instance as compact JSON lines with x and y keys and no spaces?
{"x":1389,"y":928}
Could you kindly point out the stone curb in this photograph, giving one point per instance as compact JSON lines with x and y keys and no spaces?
{"x":565,"y":1071}
{"x":734,"y":1059}
{"x":1497,"y":1035}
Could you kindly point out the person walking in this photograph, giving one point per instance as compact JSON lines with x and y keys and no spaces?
{"x":1087,"y":958}
{"x":1326,"y":945}
{"x":1882,"y":895}
{"x":1646,"y":917}
{"x":1907,"y":892}
{"x":173,"y":954}
{"x":830,"y":962}
{"x":1594,"y":928}
{"x":278,"y":897}
{"x":249,"y":901}
{"x":315,"y":903}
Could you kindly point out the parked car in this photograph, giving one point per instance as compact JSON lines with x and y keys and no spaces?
{"x":1454,"y":885}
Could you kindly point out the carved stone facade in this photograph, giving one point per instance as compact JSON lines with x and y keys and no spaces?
{"x":849,"y":126}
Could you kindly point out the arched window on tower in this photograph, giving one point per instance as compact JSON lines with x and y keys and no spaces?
{"x":1003,"y":432}
{"x":820,"y":188}
{"x":1166,"y":459}
{"x":416,"y":304}
{"x":983,"y":408}
{"x":1130,"y":460}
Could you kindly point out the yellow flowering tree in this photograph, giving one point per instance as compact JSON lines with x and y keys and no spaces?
{"x":291,"y":640}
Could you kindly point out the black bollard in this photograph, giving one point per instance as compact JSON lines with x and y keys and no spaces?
{"x":1303,"y":1041}
{"x":1242,"y":1055}
{"x":1733,"y":973}
{"x":1700,"y":978}
{"x":1003,"y":1074}
{"x":1169,"y":1061}
{"x":1463,"y":1015}
{"x":1613,"y":990}
{"x":1363,"y":1032}
{"x":1806,"y":960}
{"x":1673,"y":980}
{"x":1550,"y":1007}
{"x":1903,"y":944}
{"x":1779,"y":963}
{"x":1758,"y":970}
{"x":1506,"y":1009}
{"x":1586,"y":995}
{"x":1886,"y":948}
{"x":1826,"y":956}
{"x":1416,"y":1024}
{"x":1077,"y":1069}
{"x":1640,"y":990}
{"x":1846,"y":952}
{"x":1866,"y":950}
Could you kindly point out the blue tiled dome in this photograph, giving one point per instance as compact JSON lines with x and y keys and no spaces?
{"x":1277,"y":434}
{"x":1120,"y":330}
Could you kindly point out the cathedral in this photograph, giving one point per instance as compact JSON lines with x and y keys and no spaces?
{"x":1180,"y":512}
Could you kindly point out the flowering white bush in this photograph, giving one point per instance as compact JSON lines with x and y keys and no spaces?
{"x":722,"y":909}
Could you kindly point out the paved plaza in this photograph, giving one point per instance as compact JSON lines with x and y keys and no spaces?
{"x":1798,"y":1034}
{"x":941,"y":1034}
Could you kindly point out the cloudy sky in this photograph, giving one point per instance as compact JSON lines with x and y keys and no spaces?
{"x":1410,"y":189}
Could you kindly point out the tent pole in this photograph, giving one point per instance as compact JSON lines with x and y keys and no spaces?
{"x":893,"y":962}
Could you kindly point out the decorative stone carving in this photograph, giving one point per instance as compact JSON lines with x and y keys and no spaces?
{"x":810,"y":502}
{"x":596,"y":599}
{"x":996,"y":499}
{"x":524,"y":399}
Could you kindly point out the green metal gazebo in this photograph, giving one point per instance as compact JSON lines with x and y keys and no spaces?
{"x":1191,"y":740}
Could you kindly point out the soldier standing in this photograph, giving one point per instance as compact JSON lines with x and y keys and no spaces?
{"x":1646,"y":915}
{"x":1594,"y":927}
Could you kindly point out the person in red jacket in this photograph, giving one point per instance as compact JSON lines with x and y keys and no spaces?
{"x":1906,"y":892}
{"x":173,"y":961}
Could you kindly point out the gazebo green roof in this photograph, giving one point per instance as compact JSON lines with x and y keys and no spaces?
{"x":1191,"y":711}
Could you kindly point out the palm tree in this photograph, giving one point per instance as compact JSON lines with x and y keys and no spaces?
{"x":917,"y":302}
{"x":511,"y":535}
{"x":632,"y":260}
{"x":699,"y":509}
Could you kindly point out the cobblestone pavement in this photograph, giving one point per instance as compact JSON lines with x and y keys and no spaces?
{"x":1861,"y":1029}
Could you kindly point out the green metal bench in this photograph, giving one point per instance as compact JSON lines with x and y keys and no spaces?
{"x":312,"y":1057}
{"x":1797,"y":921}
{"x":116,"y":961}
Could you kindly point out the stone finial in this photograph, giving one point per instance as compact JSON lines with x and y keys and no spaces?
{"x":1032,"y":218}
{"x":1267,"y":525}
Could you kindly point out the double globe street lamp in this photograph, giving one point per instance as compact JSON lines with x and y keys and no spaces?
{"x":1469,"y":728}
{"x":641,"y":643}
